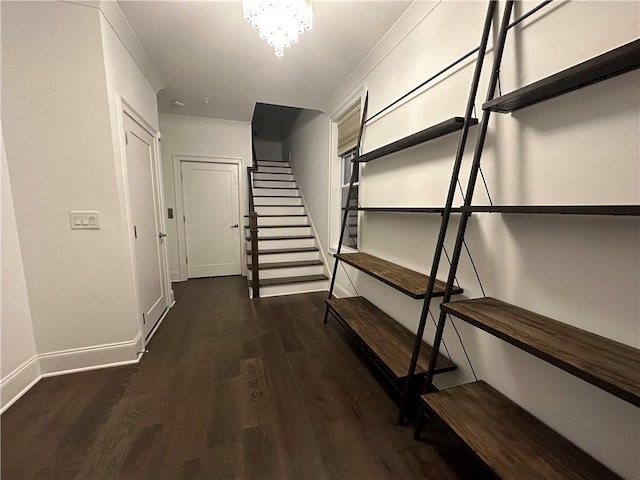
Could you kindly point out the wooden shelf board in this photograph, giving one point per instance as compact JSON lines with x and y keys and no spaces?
{"x":438,"y":210}
{"x":507,"y":439}
{"x":609,"y":64}
{"x":630,"y":210}
{"x":403,"y":279}
{"x":389,"y":341}
{"x":610,"y":365}
{"x":443,"y":128}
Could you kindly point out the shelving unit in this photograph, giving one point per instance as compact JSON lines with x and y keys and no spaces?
{"x":398,"y":352}
{"x":506,"y":439}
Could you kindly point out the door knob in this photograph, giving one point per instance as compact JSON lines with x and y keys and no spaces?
{"x":162,"y":235}
{"x":234,"y":226}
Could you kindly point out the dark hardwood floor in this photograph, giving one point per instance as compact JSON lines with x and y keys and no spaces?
{"x":230,"y":388}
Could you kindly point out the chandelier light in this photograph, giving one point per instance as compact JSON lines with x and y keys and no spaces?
{"x":279,"y":22}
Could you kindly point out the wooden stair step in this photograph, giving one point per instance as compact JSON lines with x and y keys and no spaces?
{"x":609,"y":64}
{"x":282,"y":215}
{"x":508,"y":440}
{"x":279,"y":226}
{"x":610,"y":365}
{"x":300,"y":263}
{"x":278,"y":206}
{"x":289,"y":280}
{"x":407,"y":281}
{"x":285,"y":250}
{"x":287,"y":237}
{"x":275,"y":188}
{"x":276,"y":196}
{"x":389,"y":341}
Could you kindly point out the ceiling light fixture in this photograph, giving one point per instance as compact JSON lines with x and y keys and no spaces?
{"x":279,"y":22}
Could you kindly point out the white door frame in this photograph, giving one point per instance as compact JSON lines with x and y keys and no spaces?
{"x":179,"y":213}
{"x":125,"y":109}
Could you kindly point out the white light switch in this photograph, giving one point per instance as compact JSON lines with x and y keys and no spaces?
{"x":84,"y":220}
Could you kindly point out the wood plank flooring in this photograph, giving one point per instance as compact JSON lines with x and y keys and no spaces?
{"x":230,"y":388}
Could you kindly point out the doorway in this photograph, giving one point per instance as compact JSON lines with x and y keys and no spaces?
{"x":146,"y":231}
{"x":211,"y":218}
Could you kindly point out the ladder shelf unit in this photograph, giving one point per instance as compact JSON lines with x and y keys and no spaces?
{"x":400,"y":353}
{"x":506,"y":439}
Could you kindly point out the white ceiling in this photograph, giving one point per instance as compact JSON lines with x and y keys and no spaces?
{"x":206,"y":49}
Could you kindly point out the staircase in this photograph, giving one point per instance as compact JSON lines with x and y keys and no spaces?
{"x":288,"y":255}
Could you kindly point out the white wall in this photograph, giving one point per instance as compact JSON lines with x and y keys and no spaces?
{"x":18,"y":363}
{"x":193,"y":137}
{"x":63,"y":71}
{"x":268,"y":149}
{"x":307,"y":145}
{"x":581,"y":148}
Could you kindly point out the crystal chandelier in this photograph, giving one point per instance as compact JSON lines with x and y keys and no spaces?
{"x":279,"y":21}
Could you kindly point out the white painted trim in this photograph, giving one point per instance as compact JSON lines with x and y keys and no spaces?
{"x":63,"y":362}
{"x":18,"y":382}
{"x":90,"y":358}
{"x":340,"y":292}
{"x":203,"y":121}
{"x":111,"y":12}
{"x":408,"y":21}
{"x":179,"y":206}
{"x":125,"y":108}
{"x":313,"y":227}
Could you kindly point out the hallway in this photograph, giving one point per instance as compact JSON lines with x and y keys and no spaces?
{"x":230,"y":388}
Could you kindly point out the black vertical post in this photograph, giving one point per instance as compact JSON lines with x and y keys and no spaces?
{"x":475,"y":166}
{"x":354,"y":177}
{"x":447,"y":210}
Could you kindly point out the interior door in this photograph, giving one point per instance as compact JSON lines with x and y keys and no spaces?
{"x":212,"y":223}
{"x":144,"y":203}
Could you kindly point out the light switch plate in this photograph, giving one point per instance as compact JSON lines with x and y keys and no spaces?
{"x":83,"y":220}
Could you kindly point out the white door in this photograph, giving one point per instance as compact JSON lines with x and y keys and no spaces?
{"x":144,"y":203}
{"x":212,"y":223}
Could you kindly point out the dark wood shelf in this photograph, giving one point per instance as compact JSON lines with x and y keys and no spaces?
{"x":443,"y":128}
{"x":439,"y":210}
{"x":629,"y":210}
{"x":609,"y":64}
{"x":382,"y":336}
{"x":507,"y":439}
{"x":407,"y":281}
{"x":610,"y":365}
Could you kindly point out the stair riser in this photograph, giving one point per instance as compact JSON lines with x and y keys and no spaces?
{"x":272,"y":163}
{"x":274,"y":184}
{"x":286,"y":257}
{"x":277,"y":192}
{"x":280,"y":232}
{"x":266,"y":221}
{"x":262,"y":169}
{"x":278,"y":201}
{"x":275,"y":290}
{"x":272,"y":176}
{"x":276,"y":244}
{"x":288,"y":272}
{"x":276,"y":210}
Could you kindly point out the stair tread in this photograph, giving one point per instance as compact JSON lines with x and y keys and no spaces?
{"x":275,"y":188}
{"x":435,"y":131}
{"x":407,"y":281}
{"x":506,"y":438}
{"x":610,"y":365}
{"x":271,"y":173}
{"x":609,"y":64}
{"x":277,"y":196}
{"x":281,"y":226}
{"x":299,"y":263}
{"x":272,"y":179}
{"x":277,"y":206}
{"x":384,"y":337}
{"x":282,"y":215}
{"x":284,"y":237}
{"x":269,"y":251}
{"x":289,"y":280}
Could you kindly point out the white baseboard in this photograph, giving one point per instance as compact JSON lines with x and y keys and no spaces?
{"x":18,"y":382}
{"x":175,"y":277}
{"x":90,"y":358}
{"x":340,"y":292}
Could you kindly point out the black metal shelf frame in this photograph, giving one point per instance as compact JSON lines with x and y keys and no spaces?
{"x":607,"y":65}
